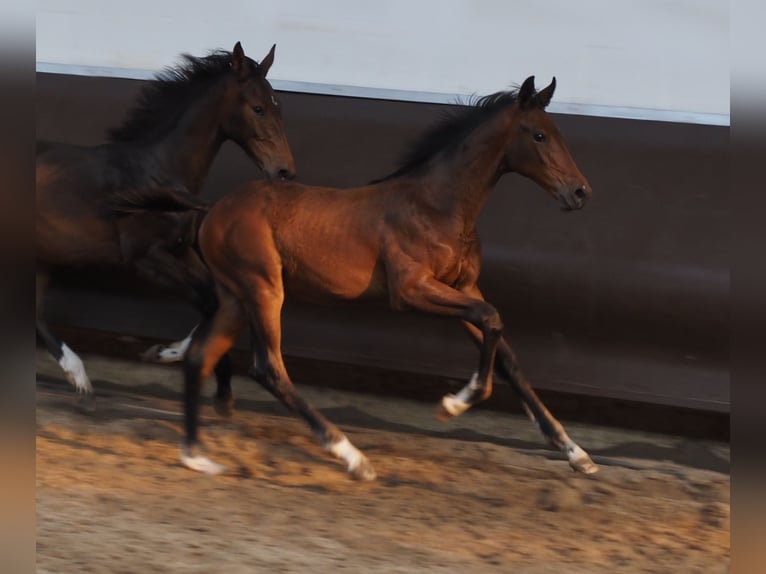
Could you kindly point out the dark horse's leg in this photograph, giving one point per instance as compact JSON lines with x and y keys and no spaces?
{"x":507,"y":368}
{"x":268,"y":369}
{"x":171,"y":353}
{"x":190,"y":274}
{"x":69,"y":361}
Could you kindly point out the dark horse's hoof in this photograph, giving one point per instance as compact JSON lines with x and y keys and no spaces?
{"x":224,"y":406}
{"x":86,"y":402}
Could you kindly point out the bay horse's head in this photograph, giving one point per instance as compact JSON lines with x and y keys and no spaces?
{"x":538,"y":151}
{"x":254,"y":120}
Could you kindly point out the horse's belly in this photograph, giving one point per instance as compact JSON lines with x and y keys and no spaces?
{"x":68,"y":244}
{"x":333,"y":281}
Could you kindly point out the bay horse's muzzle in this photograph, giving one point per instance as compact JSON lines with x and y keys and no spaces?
{"x":573,"y":199}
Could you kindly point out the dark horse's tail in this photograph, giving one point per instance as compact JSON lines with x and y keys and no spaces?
{"x":42,"y":146}
{"x":153,"y":199}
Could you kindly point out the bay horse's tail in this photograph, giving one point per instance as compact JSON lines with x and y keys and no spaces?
{"x":153,"y":199}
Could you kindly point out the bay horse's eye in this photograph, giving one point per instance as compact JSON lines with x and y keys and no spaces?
{"x":258,"y":110}
{"x":539,"y":137}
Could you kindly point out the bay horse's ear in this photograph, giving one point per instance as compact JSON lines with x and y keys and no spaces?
{"x":266,"y":63}
{"x":527,"y":92}
{"x":544,"y":96}
{"x":238,"y":61}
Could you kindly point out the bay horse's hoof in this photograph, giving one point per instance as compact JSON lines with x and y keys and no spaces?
{"x":581,"y":462}
{"x":224,"y":406}
{"x":442,"y":415}
{"x":363,"y":470}
{"x":450,"y":406}
{"x":193,"y":459}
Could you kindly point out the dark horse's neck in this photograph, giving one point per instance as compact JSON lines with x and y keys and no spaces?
{"x":189,"y":149}
{"x":465,"y":177}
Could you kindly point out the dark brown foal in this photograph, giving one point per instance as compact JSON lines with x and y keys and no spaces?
{"x":161,"y":154}
{"x":409,"y":238}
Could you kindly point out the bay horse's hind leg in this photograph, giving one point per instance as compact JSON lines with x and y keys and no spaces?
{"x":188,"y":274}
{"x":269,"y":371}
{"x":210,"y":343}
{"x":64,"y":356}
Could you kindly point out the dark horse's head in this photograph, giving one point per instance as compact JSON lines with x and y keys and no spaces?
{"x":537,"y":149}
{"x":254,"y":121}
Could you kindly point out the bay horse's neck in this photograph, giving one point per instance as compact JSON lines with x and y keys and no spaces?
{"x":465,"y":178}
{"x":188,"y":150}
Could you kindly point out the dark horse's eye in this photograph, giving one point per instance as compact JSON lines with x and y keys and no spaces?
{"x":258,"y":110}
{"x":539,"y":136}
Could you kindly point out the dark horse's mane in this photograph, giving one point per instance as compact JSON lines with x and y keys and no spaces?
{"x":138,"y":200}
{"x":451,"y":129}
{"x":161,"y":101}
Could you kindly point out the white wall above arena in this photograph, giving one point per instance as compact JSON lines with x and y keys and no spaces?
{"x":647,"y":59}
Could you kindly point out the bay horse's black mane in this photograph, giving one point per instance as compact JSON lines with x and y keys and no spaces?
{"x":451,"y":129}
{"x":161,"y":101}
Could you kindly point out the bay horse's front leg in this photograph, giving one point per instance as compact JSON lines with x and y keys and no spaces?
{"x":507,"y":368}
{"x":432,"y":296}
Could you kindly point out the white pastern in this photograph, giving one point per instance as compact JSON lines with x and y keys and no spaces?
{"x":358,"y":465}
{"x":75,"y":370}
{"x":457,"y":404}
{"x":344,"y":450}
{"x":175,"y":352}
{"x":579,"y":459}
{"x":202,"y":464}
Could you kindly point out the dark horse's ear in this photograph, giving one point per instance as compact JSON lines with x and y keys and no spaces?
{"x":263,"y":67}
{"x":239,"y":63}
{"x":544,"y":96}
{"x":527,"y":92}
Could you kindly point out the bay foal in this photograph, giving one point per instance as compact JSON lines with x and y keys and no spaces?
{"x":409,"y":239}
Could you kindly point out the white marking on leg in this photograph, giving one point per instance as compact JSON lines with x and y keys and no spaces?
{"x":343,"y":449}
{"x":75,"y":370}
{"x":578,"y":458}
{"x":459,"y":403}
{"x":201,"y":464}
{"x":175,"y":352}
{"x":358,"y":465}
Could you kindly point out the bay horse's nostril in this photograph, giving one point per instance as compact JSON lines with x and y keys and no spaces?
{"x":285,"y":174}
{"x":580,"y":193}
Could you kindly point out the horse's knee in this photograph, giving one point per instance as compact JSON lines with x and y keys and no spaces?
{"x":494,"y":323}
{"x":490,"y":320}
